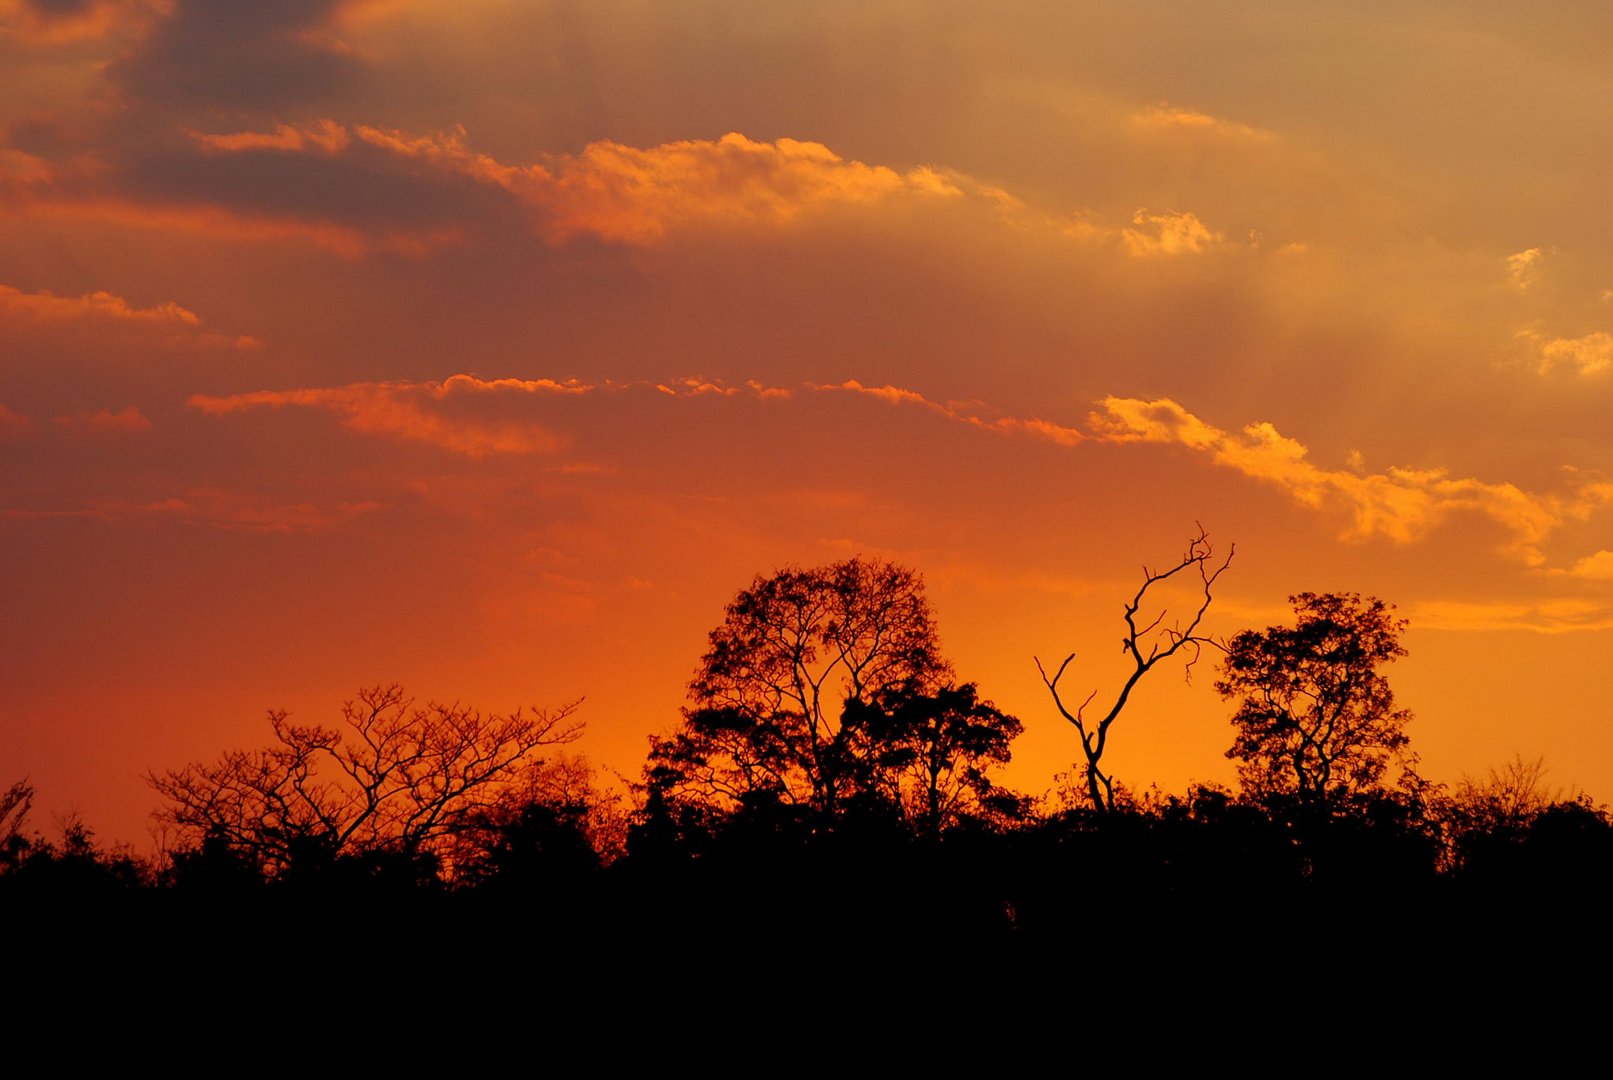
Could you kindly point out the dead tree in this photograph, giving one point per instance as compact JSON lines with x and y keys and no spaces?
{"x":1148,"y":644}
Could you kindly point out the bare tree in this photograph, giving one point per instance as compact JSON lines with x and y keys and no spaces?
{"x":1149,"y":641}
{"x":1510,"y":796}
{"x":1500,"y":807}
{"x":393,"y":777}
{"x":15,"y":802}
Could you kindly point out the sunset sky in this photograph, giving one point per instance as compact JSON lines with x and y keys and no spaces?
{"x":491,"y":347}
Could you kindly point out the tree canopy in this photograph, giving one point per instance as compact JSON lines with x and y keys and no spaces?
{"x":1316,"y":717}
{"x":825,"y":686}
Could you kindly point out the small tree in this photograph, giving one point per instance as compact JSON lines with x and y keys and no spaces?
{"x":1507,"y":800}
{"x":1149,"y":642}
{"x":395,"y":780}
{"x":1316,"y":717}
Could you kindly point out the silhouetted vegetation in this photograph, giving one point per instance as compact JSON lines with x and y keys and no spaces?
{"x":824,"y":689}
{"x":829,"y":793}
{"x":396,"y":789}
{"x":1317,"y":720}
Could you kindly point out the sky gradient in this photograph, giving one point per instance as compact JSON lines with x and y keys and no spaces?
{"x":493,"y":347}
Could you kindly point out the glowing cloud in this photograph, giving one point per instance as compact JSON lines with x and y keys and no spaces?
{"x":893,"y":394}
{"x":174,"y":323}
{"x":1523,"y":268}
{"x":421,"y":411}
{"x":1401,"y":505}
{"x":1597,"y":567}
{"x":632,"y":195}
{"x":48,"y":307}
{"x":326,"y":137}
{"x":1169,"y":234}
{"x":1588,"y":355}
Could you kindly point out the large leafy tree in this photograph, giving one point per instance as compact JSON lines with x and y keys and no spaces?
{"x":1316,"y":718}
{"x":825,"y":686}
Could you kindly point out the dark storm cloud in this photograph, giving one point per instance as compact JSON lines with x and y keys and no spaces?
{"x":58,"y":9}
{"x":364,"y":187}
{"x":239,"y":54}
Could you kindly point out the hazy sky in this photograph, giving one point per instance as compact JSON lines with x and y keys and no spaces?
{"x":492,"y":346}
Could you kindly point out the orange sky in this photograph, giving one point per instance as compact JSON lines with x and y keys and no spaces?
{"x":493,"y":347}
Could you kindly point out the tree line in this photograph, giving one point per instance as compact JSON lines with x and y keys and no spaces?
{"x":828,"y":743}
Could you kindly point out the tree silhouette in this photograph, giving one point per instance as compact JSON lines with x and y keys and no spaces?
{"x":556,"y":806}
{"x":1148,"y":643}
{"x":814,"y":693}
{"x":15,"y":802}
{"x":934,"y":752}
{"x":1506,"y":801}
{"x":394,"y":779}
{"x":1316,"y":717}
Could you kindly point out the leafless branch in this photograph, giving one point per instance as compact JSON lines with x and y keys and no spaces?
{"x":1148,"y":644}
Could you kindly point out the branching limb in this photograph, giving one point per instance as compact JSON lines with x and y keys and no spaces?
{"x":1148,"y":641}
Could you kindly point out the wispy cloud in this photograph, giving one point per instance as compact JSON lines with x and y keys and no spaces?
{"x":1169,"y":119}
{"x":13,"y":425}
{"x":1561,"y":616}
{"x":127,"y":421}
{"x":104,"y":308}
{"x":972,"y":413}
{"x":413,"y":411}
{"x":211,"y":507}
{"x":1523,"y":268}
{"x":48,"y":307}
{"x":442,"y":413}
{"x":323,"y":136}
